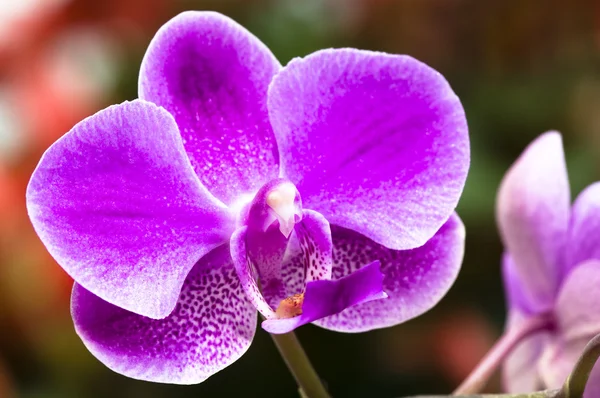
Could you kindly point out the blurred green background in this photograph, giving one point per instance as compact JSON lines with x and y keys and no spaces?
{"x":521,"y":67}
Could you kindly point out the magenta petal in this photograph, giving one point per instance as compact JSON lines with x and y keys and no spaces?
{"x":577,"y":307}
{"x":212,"y":325}
{"x":376,"y":143}
{"x":533,"y":214}
{"x":212,"y":75}
{"x":314,"y":237}
{"x":520,"y":371}
{"x":247,"y":272}
{"x":119,"y":207}
{"x":584,"y":229}
{"x":326,"y":297}
{"x":415,"y":280}
{"x":309,"y":254}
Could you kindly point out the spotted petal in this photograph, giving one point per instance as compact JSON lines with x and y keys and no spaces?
{"x":212,"y":326}
{"x":415,"y":280}
{"x":533,"y":215}
{"x":376,"y":143}
{"x":323,"y":298}
{"x":212,"y":75}
{"x":247,"y":272}
{"x":117,"y":204}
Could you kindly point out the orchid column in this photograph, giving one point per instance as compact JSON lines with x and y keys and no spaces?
{"x":321,"y":192}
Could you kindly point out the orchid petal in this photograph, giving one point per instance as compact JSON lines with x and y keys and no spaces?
{"x":376,"y":143}
{"x":326,"y":297}
{"x":314,"y":236}
{"x":517,"y":296}
{"x":212,"y":75}
{"x":577,"y":312}
{"x":577,"y":307}
{"x":117,"y":204}
{"x":309,"y":255}
{"x":558,"y":362}
{"x":533,"y":214}
{"x":247,"y":272}
{"x":520,"y":373}
{"x":211,"y":327}
{"x":415,"y":280}
{"x":584,"y":229}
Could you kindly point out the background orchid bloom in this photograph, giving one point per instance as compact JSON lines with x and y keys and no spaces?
{"x":551,"y":266}
{"x":330,"y":183}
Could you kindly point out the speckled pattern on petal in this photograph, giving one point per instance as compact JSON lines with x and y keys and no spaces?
{"x":314,"y":236}
{"x":212,"y":325}
{"x":212,"y":75}
{"x":326,"y":297}
{"x":415,"y":279}
{"x":247,"y":273}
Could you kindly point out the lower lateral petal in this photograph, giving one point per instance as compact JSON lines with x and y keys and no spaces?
{"x":558,"y":360}
{"x":212,"y":325}
{"x":326,"y":297}
{"x":577,"y":307}
{"x":415,"y":279}
{"x":520,"y":371}
{"x":584,"y":228}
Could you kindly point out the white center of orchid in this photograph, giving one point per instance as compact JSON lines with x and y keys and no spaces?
{"x":282,"y":201}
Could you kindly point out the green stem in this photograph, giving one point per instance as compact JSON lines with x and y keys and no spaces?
{"x":475,"y":382}
{"x":575,"y":383}
{"x":537,"y":394}
{"x":299,"y":365}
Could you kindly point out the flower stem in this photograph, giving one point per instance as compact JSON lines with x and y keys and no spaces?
{"x":299,"y":365}
{"x":575,"y":383}
{"x":536,"y":394}
{"x":504,"y":346}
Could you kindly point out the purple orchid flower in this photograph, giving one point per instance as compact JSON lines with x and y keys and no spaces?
{"x":179,"y":215}
{"x":551,"y":266}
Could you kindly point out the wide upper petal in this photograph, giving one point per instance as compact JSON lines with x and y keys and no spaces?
{"x":584,"y":228}
{"x":212,"y":75}
{"x":533,"y":215}
{"x":376,"y":143}
{"x":212,"y":325}
{"x":119,"y":207}
{"x":415,"y":280}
